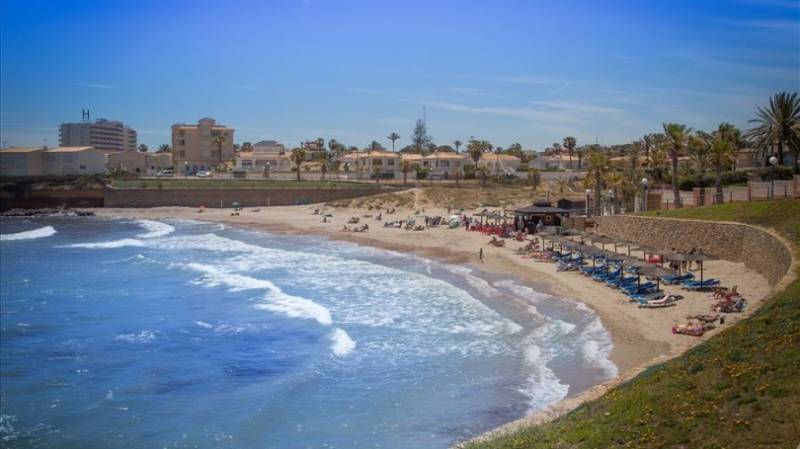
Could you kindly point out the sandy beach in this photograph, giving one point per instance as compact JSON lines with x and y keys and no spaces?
{"x":641,"y":336}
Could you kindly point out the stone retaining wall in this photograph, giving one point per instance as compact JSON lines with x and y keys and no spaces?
{"x":38,"y":199}
{"x":757,"y":249}
{"x":225,"y":197}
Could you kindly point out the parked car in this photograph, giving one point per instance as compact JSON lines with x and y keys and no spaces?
{"x":204,"y":174}
{"x":166,"y":172}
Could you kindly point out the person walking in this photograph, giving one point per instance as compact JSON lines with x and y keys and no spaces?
{"x":480,"y":254}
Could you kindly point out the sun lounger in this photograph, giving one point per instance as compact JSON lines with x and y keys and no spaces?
{"x":697,"y":285}
{"x":658,"y":302}
{"x":677,"y":279}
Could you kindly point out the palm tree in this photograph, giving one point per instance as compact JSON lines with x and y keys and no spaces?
{"x":676,"y":136}
{"x":406,"y":167}
{"x":778,"y":125}
{"x":218,"y":140}
{"x":569,"y":144}
{"x":599,"y":166}
{"x":535,"y":178}
{"x":476,"y":148}
{"x":142,"y":148}
{"x":164,"y":148}
{"x":393,"y":137}
{"x":457,"y":143}
{"x":658,"y":162}
{"x":634,"y":150}
{"x":326,"y":160}
{"x":699,"y":147}
{"x":721,"y":155}
{"x":298,"y":156}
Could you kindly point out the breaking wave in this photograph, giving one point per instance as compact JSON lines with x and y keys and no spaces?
{"x":154,"y":229}
{"x":46,"y":231}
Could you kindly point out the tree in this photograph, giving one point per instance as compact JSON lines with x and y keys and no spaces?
{"x":676,"y":136}
{"x":375,"y":146}
{"x":457,"y":143}
{"x":336,"y":149}
{"x":720,"y":156}
{"x":580,"y":152}
{"x":326,"y":159}
{"x":298,"y":156}
{"x":247,"y":146}
{"x":658,"y":161}
{"x":597,"y":172}
{"x":633,"y":154}
{"x":699,"y":147}
{"x":535,"y":178}
{"x":142,"y":148}
{"x":515,"y":149}
{"x":476,"y":148}
{"x":218,"y":140}
{"x":393,"y":137}
{"x":484,"y":174}
{"x":420,"y":139}
{"x":569,"y":144}
{"x":164,"y":148}
{"x":778,"y":125}
{"x":406,"y":166}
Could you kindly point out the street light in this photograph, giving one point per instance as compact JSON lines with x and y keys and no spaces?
{"x":645,"y":181}
{"x":588,"y":192}
{"x":773,"y":161}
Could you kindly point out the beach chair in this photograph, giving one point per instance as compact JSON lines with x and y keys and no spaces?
{"x":698,"y":285}
{"x":677,"y":279}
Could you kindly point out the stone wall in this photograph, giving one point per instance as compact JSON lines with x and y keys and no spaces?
{"x":225,"y":197}
{"x":37,"y":199}
{"x":757,"y":249}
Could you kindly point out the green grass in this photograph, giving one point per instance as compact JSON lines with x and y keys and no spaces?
{"x":739,"y":389}
{"x":782,"y":215}
{"x":237,"y":184}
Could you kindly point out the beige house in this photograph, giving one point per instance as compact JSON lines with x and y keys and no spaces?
{"x":368,"y":164}
{"x":269,"y":147}
{"x":446,"y":164}
{"x":497,"y":164}
{"x":22,"y":161}
{"x":64,"y":161}
{"x":194,"y":147}
{"x":140,"y":163}
{"x":253,"y":161}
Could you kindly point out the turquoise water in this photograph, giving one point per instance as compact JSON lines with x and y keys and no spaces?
{"x":181,"y":334}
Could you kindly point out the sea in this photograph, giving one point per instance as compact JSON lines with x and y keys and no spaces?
{"x":121,"y":333}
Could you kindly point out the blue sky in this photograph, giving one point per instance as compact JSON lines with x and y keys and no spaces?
{"x":507,"y":71}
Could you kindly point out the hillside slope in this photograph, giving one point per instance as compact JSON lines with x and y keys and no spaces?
{"x":739,"y":389}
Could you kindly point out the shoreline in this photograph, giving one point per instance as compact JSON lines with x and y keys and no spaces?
{"x":641,"y":337}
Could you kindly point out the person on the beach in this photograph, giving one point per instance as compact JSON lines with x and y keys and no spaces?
{"x":480,"y":254}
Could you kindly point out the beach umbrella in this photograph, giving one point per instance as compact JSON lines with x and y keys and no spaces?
{"x":657,"y":272}
{"x":699,"y":258}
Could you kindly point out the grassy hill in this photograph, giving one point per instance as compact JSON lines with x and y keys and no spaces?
{"x":739,"y":389}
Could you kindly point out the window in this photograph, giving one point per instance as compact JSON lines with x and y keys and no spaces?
{"x":390,"y":162}
{"x":444,"y":163}
{"x":377,"y":162}
{"x":247,"y":163}
{"x":182,"y":153}
{"x":261,"y":163}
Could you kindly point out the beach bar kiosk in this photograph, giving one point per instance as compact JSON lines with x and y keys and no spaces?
{"x":541,"y":213}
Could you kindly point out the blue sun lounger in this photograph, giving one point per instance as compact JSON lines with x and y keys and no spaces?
{"x":677,"y":279}
{"x":697,"y":285}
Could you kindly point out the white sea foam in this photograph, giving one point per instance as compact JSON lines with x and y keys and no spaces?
{"x":276,"y":299}
{"x":203,"y":324}
{"x":342,"y":343}
{"x":596,"y":346}
{"x":39,"y":233}
{"x":142,"y":337}
{"x":109,"y":244}
{"x":154,"y":229}
{"x":543,"y":387}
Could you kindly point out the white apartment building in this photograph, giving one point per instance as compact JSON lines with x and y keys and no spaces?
{"x":21,"y":161}
{"x":104,"y":135}
{"x":366,"y":164}
{"x":63,"y":161}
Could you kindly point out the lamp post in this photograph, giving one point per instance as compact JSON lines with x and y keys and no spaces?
{"x":645,"y":181}
{"x":773,"y":161}
{"x":588,"y":193}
